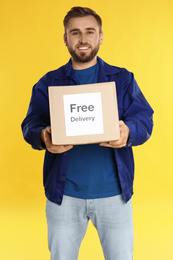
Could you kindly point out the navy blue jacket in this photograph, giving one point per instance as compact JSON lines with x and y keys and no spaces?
{"x":133,"y":109}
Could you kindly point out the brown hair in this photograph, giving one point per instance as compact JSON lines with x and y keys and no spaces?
{"x":78,"y":11}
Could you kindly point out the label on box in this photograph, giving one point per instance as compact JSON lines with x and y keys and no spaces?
{"x":83,"y":114}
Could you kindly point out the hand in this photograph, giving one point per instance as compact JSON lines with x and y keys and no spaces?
{"x":46,"y":138}
{"x":124,"y":135}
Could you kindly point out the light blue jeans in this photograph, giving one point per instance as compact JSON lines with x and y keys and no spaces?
{"x":67,"y":225}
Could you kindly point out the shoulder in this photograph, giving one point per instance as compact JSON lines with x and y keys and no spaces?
{"x":55,"y":74}
{"x":112,"y":69}
{"x":49,"y":79}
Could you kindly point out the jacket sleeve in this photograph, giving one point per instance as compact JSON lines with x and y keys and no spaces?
{"x":37,"y":117}
{"x":137,"y":114}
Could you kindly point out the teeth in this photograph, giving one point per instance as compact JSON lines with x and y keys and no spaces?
{"x":83,"y":48}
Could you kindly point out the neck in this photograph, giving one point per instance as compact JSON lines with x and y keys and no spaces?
{"x":83,"y":65}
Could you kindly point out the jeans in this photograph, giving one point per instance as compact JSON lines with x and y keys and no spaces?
{"x":67,"y":225}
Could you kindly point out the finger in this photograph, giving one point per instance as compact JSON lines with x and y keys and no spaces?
{"x":108,"y":145}
{"x":114,"y":144}
{"x":121,"y":123}
{"x":104,"y":144}
{"x":48,"y":129}
{"x":68,"y":147}
{"x":59,"y":148}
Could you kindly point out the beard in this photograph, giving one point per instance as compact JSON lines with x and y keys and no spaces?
{"x":83,"y":57}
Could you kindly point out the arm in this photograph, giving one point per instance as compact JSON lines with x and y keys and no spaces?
{"x":37,"y":117}
{"x":136,"y":114}
{"x":35,"y":127}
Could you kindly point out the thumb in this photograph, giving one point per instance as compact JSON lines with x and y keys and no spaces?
{"x":48,"y":129}
{"x":121,"y":123}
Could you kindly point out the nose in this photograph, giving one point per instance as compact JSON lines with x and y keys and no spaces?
{"x":82,"y":39}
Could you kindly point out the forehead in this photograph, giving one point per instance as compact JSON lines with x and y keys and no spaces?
{"x":82,"y":23}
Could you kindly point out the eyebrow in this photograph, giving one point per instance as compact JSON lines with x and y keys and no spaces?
{"x":88,"y":29}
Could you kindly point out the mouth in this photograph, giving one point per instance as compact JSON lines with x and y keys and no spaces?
{"x":83,"y":48}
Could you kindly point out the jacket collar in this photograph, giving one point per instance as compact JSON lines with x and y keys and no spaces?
{"x":104,"y":70}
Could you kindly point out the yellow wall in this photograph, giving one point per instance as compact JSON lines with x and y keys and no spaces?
{"x":138,"y":35}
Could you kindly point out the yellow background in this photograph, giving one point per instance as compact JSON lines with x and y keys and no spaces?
{"x":138,"y":35}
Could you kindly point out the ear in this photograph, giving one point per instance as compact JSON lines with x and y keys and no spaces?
{"x":65,"y":39}
{"x":101,"y":37}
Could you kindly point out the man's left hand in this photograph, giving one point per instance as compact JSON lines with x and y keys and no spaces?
{"x":124,"y":135}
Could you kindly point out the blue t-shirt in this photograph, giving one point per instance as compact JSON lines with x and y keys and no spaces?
{"x":92,"y":170}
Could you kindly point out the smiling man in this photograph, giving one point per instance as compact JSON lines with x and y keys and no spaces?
{"x":95,"y":181}
{"x":83,"y":37}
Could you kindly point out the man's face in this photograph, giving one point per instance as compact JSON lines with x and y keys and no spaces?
{"x":83,"y":38}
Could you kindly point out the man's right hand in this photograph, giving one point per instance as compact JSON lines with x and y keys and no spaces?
{"x":46,"y":139}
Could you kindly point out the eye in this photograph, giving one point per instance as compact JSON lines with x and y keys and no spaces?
{"x":90,"y":32}
{"x":75,"y":33}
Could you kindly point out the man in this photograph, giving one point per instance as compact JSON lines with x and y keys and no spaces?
{"x":93,"y":181}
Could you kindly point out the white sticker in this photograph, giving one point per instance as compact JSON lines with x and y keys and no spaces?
{"x":83,"y":114}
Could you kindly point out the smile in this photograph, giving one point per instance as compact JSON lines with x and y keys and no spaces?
{"x":83,"y":48}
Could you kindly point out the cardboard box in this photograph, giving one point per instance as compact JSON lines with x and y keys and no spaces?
{"x":83,"y":114}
